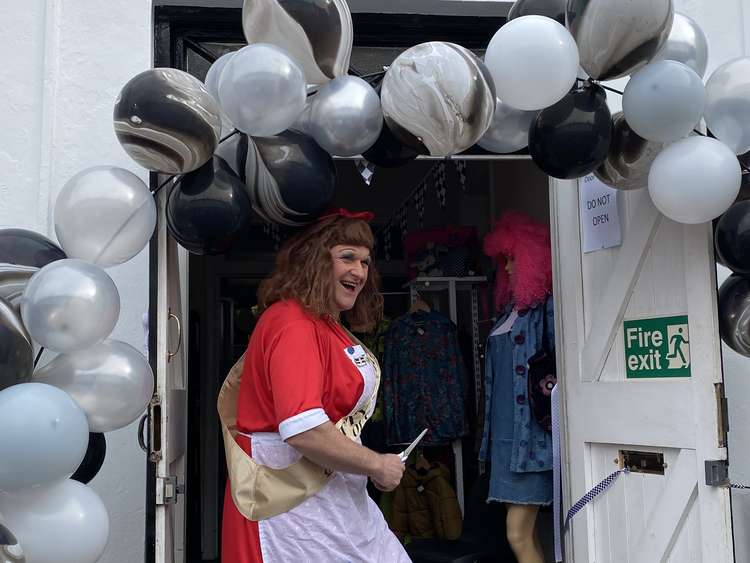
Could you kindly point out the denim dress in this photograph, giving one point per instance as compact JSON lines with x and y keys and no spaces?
{"x":518,"y":449}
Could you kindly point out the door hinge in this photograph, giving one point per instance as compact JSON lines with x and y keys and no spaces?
{"x":722,"y":414}
{"x":717,"y":473}
{"x":167,"y":489}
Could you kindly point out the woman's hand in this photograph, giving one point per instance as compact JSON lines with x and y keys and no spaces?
{"x":389,"y":472}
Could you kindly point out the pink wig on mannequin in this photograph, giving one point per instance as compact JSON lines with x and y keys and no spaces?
{"x":517,"y":237}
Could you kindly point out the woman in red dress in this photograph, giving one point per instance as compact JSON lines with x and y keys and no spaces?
{"x":305,"y":391}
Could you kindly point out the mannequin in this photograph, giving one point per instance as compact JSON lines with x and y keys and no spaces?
{"x":519,"y":450}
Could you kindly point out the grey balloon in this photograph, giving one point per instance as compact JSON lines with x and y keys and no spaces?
{"x":615,"y":37}
{"x":318,"y":34}
{"x":214,"y":74}
{"x":441,"y":94}
{"x":629,"y":159}
{"x":112,"y":382}
{"x":13,"y":280}
{"x":16,"y":348}
{"x":166,"y":120}
{"x":728,"y":104}
{"x":734,"y":314}
{"x":509,"y":130}
{"x":104,"y":215}
{"x":70,"y":305}
{"x":346,"y":117}
{"x":664,"y":101}
{"x":686,"y":44}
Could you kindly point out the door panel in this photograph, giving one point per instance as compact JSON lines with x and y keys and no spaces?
{"x":169,"y":408}
{"x":661,"y":269}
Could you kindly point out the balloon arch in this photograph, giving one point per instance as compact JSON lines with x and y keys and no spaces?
{"x":285,"y":105}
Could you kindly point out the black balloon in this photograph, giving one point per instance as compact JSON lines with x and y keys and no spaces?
{"x":732,"y":238}
{"x":388,"y":151}
{"x":571,"y":138}
{"x":6,"y":536}
{"x":93,"y":460}
{"x":734,"y":314}
{"x":234,"y":151}
{"x":290,"y":178}
{"x":16,"y":349}
{"x":554,"y":9}
{"x":209,"y":209}
{"x":27,"y":248}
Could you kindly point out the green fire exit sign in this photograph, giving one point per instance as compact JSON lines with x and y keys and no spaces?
{"x":657,"y":347}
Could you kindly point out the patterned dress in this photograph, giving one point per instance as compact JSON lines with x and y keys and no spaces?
{"x":299,"y":372}
{"x":519,"y":450}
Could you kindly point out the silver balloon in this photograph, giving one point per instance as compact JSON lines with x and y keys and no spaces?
{"x":318,"y":34}
{"x":44,"y":436}
{"x":686,"y":44}
{"x":554,"y":9}
{"x":262,"y":90}
{"x":70,"y":305}
{"x":111,"y":381}
{"x":664,"y":101}
{"x":104,"y":215}
{"x":346,"y":117}
{"x":616,"y":38}
{"x":63,"y":523}
{"x":728,"y":104}
{"x":16,"y":348}
{"x":13,"y":280}
{"x":629,"y":159}
{"x":734,"y":314}
{"x":509,"y":131}
{"x":214,"y":74}
{"x":166,"y":120}
{"x":441,"y":94}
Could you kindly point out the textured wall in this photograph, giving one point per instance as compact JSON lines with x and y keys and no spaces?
{"x":64,"y":63}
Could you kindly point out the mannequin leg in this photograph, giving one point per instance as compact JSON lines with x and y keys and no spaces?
{"x":520,"y":524}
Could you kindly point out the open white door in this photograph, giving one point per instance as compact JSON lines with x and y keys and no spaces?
{"x":168,"y":409}
{"x":632,"y":400}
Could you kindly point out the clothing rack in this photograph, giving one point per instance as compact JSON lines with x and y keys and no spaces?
{"x":453,"y":285}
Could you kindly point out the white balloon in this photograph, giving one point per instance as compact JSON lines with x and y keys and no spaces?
{"x":70,"y":305}
{"x":509,"y":131}
{"x":214,"y":74}
{"x":728,"y":104}
{"x":111,"y":381}
{"x":664,"y":101}
{"x":104,"y":215}
{"x":262,"y":90}
{"x":533,"y":61}
{"x":44,"y":436}
{"x":694,"y":180}
{"x":63,"y":523}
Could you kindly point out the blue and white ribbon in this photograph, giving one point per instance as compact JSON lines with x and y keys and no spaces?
{"x":593,"y":493}
{"x":556,"y":474}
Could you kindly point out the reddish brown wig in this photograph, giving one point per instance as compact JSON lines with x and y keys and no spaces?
{"x":304,"y":272}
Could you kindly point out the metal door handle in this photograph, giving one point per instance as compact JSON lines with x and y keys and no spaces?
{"x":141,"y":437}
{"x":171,"y":355}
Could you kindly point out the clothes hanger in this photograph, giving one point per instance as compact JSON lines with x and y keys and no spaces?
{"x":419,"y":304}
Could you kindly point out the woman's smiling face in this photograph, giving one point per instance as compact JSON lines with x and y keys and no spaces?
{"x":351,"y":266}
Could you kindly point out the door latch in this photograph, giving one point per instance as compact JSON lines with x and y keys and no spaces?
{"x":717,"y":473}
{"x":167,"y":489}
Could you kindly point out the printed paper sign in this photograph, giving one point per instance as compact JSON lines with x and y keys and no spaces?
{"x":657,"y":347}
{"x":600,"y":220}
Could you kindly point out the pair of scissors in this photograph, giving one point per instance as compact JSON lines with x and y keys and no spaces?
{"x":407,"y":452}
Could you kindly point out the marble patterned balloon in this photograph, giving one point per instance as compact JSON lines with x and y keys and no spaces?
{"x":13,"y":280}
{"x":290,"y":178}
{"x":441,"y":94}
{"x":318,"y":34}
{"x":167,"y":122}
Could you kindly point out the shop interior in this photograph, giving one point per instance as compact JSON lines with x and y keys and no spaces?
{"x":423,"y":199}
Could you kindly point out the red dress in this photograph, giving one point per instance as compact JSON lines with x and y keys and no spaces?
{"x":298,"y":374}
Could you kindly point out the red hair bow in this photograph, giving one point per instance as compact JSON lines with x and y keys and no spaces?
{"x":366,"y":216}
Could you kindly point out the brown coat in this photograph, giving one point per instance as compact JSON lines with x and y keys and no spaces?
{"x":425,"y":505}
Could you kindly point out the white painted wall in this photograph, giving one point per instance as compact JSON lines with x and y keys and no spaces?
{"x":64,"y":63}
